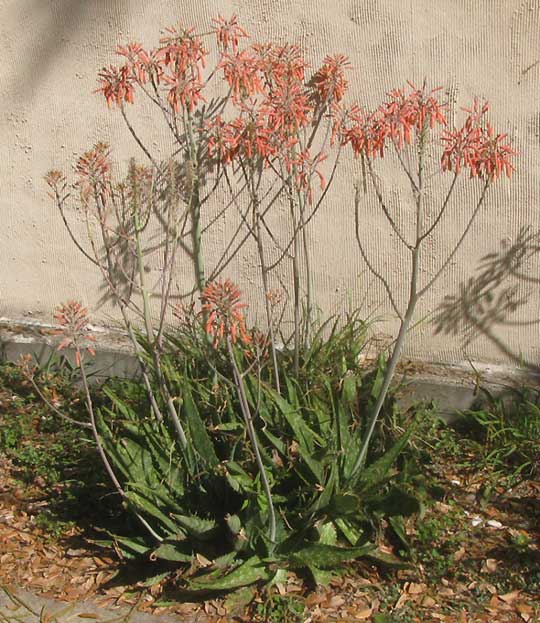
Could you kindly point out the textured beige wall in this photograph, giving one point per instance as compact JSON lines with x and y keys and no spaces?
{"x":51,"y":51}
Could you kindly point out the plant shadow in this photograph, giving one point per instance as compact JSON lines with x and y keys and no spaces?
{"x":493,"y":299}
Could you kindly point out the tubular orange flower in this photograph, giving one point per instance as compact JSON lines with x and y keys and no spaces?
{"x":228,"y":32}
{"x":281,"y":63}
{"x":181,"y":50}
{"x":476,"y":146}
{"x":116,"y":84}
{"x":222,"y":306}
{"x":185,"y":92}
{"x":365,"y":132}
{"x":287,"y":109}
{"x":140,"y":62}
{"x":74,"y":327}
{"x":329,"y":80}
{"x":242,"y":71}
{"x":247,"y":137}
{"x":402,"y":114}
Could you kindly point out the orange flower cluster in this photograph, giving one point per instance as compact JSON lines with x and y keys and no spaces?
{"x":117,"y":85}
{"x":476,"y":147}
{"x":228,"y":32}
{"x":246,"y":136}
{"x":73,"y":320}
{"x":177,"y":63}
{"x":396,"y":120}
{"x":242,"y":72}
{"x":267,"y":85}
{"x":329,"y":80}
{"x":222,"y":306}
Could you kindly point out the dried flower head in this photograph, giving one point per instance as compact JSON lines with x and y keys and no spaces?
{"x":27,"y":365}
{"x":56,"y":181}
{"x":74,"y":327}
{"x":93,"y":170}
{"x":222,"y":306}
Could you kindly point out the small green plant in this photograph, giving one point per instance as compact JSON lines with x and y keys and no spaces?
{"x":54,"y":527}
{"x":505,"y":432}
{"x":438,"y":536}
{"x":278,"y":608}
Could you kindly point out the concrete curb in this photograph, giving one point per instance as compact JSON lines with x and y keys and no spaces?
{"x":450,"y":387}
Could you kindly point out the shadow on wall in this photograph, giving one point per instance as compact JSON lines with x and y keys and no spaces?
{"x":490,"y":300}
{"x":53,"y":23}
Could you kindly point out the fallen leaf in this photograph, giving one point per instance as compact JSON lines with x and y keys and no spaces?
{"x":525,"y":611}
{"x":458,"y":555}
{"x":428,"y":602}
{"x":363,"y":614}
{"x":489,"y":565}
{"x":403,"y":598}
{"x":335,"y":602}
{"x":203,"y":561}
{"x":510,"y":597}
{"x":416,"y":589}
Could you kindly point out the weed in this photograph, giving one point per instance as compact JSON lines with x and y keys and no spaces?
{"x":280,"y":609}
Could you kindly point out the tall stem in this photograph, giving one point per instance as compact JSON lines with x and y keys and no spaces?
{"x":152,"y":342}
{"x":257,"y":231}
{"x":309,"y":284}
{"x":417,"y":188}
{"x":195,"y":207}
{"x":296,"y":290}
{"x":248,"y":419}
{"x":267,"y":308}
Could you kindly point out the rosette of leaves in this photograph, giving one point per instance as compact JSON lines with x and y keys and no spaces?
{"x":207,"y":504}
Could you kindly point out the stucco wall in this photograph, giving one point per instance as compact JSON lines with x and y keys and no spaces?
{"x":51,"y":51}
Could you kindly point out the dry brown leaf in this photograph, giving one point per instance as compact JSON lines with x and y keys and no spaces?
{"x":203,"y":561}
{"x":403,"y":598}
{"x":416,"y":589}
{"x":458,"y":555}
{"x":525,"y":611}
{"x":363,"y":614}
{"x":489,"y":565}
{"x":315,"y":599}
{"x":428,"y":602}
{"x":335,"y":602}
{"x":510,"y":597}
